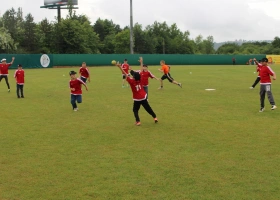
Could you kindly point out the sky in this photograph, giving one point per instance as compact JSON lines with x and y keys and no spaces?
{"x":225,"y":20}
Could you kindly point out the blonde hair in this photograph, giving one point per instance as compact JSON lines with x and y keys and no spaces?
{"x":162,"y":61}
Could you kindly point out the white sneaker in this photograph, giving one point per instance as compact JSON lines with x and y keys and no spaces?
{"x":251,"y":87}
{"x":273,"y":107}
{"x":261,"y":110}
{"x":75,"y":109}
{"x":160,"y":88}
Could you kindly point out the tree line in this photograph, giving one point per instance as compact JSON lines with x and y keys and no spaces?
{"x":75,"y":34}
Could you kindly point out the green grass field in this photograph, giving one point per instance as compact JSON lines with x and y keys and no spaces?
{"x":207,"y":144}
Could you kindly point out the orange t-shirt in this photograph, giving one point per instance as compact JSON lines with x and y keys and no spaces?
{"x":165,"y":69}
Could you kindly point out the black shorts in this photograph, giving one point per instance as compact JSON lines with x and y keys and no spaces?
{"x":167,"y":76}
{"x":124,"y":76}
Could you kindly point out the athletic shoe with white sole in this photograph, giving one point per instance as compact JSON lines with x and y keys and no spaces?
{"x":180,"y":84}
{"x":273,"y":107}
{"x":75,"y":109}
{"x":261,"y":110}
{"x":156,"y":120}
{"x":251,"y":88}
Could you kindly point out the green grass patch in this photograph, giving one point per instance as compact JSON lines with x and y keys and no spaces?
{"x":207,"y":144}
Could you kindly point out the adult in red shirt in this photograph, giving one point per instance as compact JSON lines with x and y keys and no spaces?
{"x":259,"y":77}
{"x":145,"y":75}
{"x":139,"y":95}
{"x":4,"y":67}
{"x":265,"y":82}
{"x":75,"y":85}
{"x":125,"y":66}
{"x":84,"y":73}
{"x":165,"y":69}
{"x":19,"y":76}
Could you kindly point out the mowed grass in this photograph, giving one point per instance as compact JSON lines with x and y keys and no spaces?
{"x":207,"y":144}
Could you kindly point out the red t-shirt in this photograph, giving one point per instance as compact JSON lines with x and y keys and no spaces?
{"x":77,"y":85}
{"x":84,"y":72}
{"x":265,"y":73}
{"x":19,"y":75}
{"x":4,"y":68}
{"x":137,"y":89}
{"x":145,"y":77}
{"x":125,"y":67}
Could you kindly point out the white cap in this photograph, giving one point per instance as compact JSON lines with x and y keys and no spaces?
{"x":4,"y":59}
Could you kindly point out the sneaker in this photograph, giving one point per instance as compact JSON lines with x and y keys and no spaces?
{"x":156,"y":120}
{"x":180,"y":84}
{"x":137,"y":123}
{"x":251,"y":88}
{"x":273,"y":107}
{"x":160,"y":88}
{"x":22,"y":96}
{"x":75,"y":109}
{"x":261,"y":110}
{"x":9,"y":90}
{"x":123,"y":86}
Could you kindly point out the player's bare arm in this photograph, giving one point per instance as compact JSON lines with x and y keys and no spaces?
{"x":274,"y":76}
{"x":13,"y":58}
{"x":141,"y":63}
{"x":119,"y":65}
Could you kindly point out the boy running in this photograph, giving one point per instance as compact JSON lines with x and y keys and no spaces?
{"x":125,"y":66}
{"x":84,"y":73}
{"x":265,"y":82}
{"x":145,"y":75}
{"x":75,"y":85}
{"x":4,"y":67}
{"x":139,"y":95}
{"x":166,"y":75}
{"x":19,"y":76}
{"x":258,"y":78}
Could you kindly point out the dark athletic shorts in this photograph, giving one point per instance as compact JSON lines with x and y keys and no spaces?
{"x":167,"y":76}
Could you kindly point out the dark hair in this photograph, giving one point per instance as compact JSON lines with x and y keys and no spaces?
{"x":264,"y":60}
{"x":145,"y":65}
{"x":125,"y":59}
{"x":136,"y":76}
{"x":19,"y":65}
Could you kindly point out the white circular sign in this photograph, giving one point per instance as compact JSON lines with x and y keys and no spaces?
{"x":45,"y":60}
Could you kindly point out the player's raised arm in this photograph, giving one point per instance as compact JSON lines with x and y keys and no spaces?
{"x":13,"y":58}
{"x":141,"y":63}
{"x":119,"y":65}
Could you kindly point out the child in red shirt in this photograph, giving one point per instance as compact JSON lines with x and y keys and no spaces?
{"x":139,"y":95}
{"x":19,"y":76}
{"x":75,"y":85}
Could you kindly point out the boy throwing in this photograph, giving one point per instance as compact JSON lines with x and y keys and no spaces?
{"x":4,"y":68}
{"x":166,"y":75}
{"x":19,"y":76}
{"x":75,"y":85}
{"x":265,"y":82}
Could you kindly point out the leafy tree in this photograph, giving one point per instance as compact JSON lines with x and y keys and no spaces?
{"x":209,"y":45}
{"x":45,"y":36}
{"x":29,"y":32}
{"x":228,"y":48}
{"x":276,"y":42}
{"x":76,"y":37}
{"x":7,"y":43}
{"x":122,"y":43}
